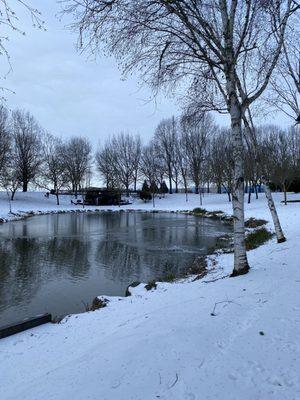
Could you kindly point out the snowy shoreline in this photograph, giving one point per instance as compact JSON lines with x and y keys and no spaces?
{"x":136,"y":346}
{"x":25,"y":200}
{"x":34,"y":203}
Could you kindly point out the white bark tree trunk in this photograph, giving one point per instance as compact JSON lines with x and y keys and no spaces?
{"x":241,"y":265}
{"x":278,"y":230}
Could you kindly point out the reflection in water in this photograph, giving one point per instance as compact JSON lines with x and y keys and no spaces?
{"x":54,"y":263}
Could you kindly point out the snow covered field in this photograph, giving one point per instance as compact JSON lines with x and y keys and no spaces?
{"x":35,"y":202}
{"x":165,"y":344}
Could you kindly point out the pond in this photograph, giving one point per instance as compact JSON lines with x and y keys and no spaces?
{"x":57,"y":263}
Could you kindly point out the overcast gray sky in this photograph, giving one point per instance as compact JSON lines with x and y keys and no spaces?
{"x":71,"y":95}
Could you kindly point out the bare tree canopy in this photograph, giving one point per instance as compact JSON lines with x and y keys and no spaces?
{"x":119,"y":161}
{"x":105,"y":165}
{"x":27,"y":146}
{"x":165,"y":138}
{"x":10,"y":22}
{"x":53,"y":176}
{"x":204,"y":41}
{"x":208,"y":45}
{"x":195,"y":137}
{"x":126,"y":153}
{"x":5,"y":143}
{"x":76,"y":154}
{"x":285,"y":84}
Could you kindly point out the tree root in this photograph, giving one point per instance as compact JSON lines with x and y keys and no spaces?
{"x":242,"y":271}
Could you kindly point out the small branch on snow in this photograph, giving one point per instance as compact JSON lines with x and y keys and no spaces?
{"x":213,"y":314}
{"x":217,"y":279}
{"x":174,"y":383}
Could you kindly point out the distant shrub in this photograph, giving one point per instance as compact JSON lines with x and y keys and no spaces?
{"x":257,"y":238}
{"x":168,"y":277}
{"x":199,"y":210}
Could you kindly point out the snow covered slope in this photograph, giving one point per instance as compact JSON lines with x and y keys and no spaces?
{"x":166,"y":344}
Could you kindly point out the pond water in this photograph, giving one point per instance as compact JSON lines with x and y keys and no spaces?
{"x":56,"y":263}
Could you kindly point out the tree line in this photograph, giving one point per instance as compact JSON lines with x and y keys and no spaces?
{"x":184,"y":151}
{"x":30,"y":154}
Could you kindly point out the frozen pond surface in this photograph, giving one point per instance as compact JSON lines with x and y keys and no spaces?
{"x":56,"y":263}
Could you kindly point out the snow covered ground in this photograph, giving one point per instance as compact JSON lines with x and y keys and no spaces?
{"x":166,"y":344}
{"x":35,"y":203}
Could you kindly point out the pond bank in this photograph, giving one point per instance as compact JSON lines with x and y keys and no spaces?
{"x":223,"y":338}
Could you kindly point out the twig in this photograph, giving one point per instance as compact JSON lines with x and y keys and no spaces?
{"x":174,"y":383}
{"x":221,"y":302}
{"x":216,"y":279}
{"x":159,"y":378}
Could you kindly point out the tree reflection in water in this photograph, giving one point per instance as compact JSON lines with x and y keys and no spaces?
{"x":53,"y":263}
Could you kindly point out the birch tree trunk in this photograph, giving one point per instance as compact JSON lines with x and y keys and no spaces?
{"x":278,"y":230}
{"x":241,"y":265}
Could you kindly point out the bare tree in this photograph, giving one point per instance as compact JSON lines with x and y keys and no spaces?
{"x":9,"y":171}
{"x":285,"y":84}
{"x":183,"y":156}
{"x":126,"y":152}
{"x":5,"y":140}
{"x":216,"y":153}
{"x":52,"y":175}
{"x":77,"y":158}
{"x":165,"y":137}
{"x":252,"y":166}
{"x":279,"y":160}
{"x":208,"y":45}
{"x":137,"y":153}
{"x":195,"y":133}
{"x":11,"y":182}
{"x":176,"y":176}
{"x":221,"y":161}
{"x":152,"y":167}
{"x":26,"y":146}
{"x":105,"y":165}
{"x":294,"y":145}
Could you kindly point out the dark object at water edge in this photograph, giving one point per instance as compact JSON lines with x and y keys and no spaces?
{"x":29,"y":323}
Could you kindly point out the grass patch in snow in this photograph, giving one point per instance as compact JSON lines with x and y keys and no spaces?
{"x":198,"y":267}
{"x":168,"y":276}
{"x":257,"y":238}
{"x":199,"y":211}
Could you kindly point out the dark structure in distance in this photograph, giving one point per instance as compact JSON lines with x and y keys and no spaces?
{"x":102,"y":197}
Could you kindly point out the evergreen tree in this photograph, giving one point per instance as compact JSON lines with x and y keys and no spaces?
{"x":145,"y":192}
{"x":164,"y":188}
{"x":153,"y":187}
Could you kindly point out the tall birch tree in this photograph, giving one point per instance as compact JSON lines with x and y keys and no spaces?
{"x":205,"y":44}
